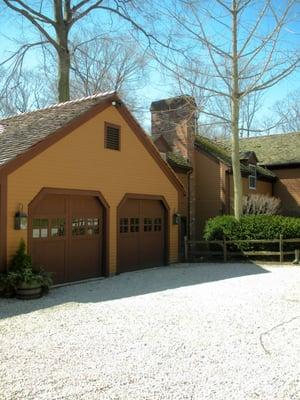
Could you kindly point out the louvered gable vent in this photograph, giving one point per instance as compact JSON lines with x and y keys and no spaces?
{"x":112,"y":137}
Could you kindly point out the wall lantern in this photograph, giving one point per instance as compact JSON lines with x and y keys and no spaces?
{"x":176,"y":218}
{"x":21,"y":219}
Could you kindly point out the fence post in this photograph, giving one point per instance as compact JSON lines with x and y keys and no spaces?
{"x":186,"y":248}
{"x":224,"y":249}
{"x":281,"y":248}
{"x":297,"y":256}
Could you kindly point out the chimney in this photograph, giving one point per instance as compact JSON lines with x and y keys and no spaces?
{"x":174,"y":126}
{"x":174,"y":120}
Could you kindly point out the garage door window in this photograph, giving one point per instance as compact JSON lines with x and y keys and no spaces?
{"x":58,"y":227}
{"x":78,"y":226}
{"x":93,"y":226}
{"x":124,"y":225}
{"x":147,"y":224}
{"x":157,"y":224}
{"x":134,"y":224}
{"x":39,"y":228}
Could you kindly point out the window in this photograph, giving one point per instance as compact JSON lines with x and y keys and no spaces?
{"x":123,"y":225}
{"x":157,"y":224}
{"x":252,"y":177}
{"x":134,"y":224}
{"x":147,"y":224}
{"x":92,"y":225}
{"x":39,"y":228}
{"x":112,"y":137}
{"x":78,"y":226}
{"x":57,"y":227}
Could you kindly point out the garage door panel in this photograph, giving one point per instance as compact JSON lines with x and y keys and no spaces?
{"x":84,"y":260}
{"x":141,"y":240}
{"x":83,"y":205}
{"x":129,"y":250}
{"x":67,"y":236}
{"x":50,"y":256}
{"x":51,"y":204}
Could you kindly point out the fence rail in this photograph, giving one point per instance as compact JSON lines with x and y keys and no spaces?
{"x":190,"y":252}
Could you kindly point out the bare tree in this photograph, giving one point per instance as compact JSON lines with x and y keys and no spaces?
{"x":107,"y":63}
{"x":246,"y":45}
{"x":53,"y":21}
{"x":214,"y":111}
{"x":287,"y":111}
{"x":22,"y":92}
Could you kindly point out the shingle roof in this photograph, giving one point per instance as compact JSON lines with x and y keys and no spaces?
{"x":221,"y":152}
{"x":177,"y":160}
{"x":273,"y":149}
{"x":20,"y":132}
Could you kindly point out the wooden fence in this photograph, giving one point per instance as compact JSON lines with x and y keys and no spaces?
{"x":191,"y":251}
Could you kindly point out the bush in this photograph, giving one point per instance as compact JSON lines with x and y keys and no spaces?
{"x":252,"y":227}
{"x":260,"y":204}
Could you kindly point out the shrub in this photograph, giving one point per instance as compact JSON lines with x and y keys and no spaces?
{"x":260,"y":204}
{"x":20,"y":260}
{"x":252,"y":227}
{"x":21,"y":272}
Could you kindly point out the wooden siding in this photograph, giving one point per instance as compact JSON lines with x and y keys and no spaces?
{"x":80,"y":161}
{"x":183,"y":199}
{"x":208,"y":184}
{"x":262,"y":187}
{"x":287,"y":188}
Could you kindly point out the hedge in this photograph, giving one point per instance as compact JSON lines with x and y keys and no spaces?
{"x":252,"y":227}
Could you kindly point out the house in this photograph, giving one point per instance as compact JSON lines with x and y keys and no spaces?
{"x":92,"y":192}
{"x":280,"y":154}
{"x":269,"y":165}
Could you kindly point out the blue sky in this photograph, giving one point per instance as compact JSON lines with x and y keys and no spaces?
{"x":156,"y":85}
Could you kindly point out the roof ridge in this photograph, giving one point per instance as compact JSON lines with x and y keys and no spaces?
{"x":267,"y":136}
{"x":57,"y":105}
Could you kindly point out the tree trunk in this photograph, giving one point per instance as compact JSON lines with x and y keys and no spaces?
{"x":63,"y":18}
{"x":63,"y":75}
{"x":235,"y":110}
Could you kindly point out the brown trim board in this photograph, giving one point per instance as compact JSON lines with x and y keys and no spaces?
{"x":3,"y":223}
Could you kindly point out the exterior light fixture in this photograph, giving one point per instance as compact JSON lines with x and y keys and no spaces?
{"x":116,"y":103}
{"x":176,"y":218}
{"x":21,"y":219}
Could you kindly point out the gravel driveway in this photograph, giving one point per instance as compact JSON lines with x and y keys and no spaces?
{"x":206,"y":331}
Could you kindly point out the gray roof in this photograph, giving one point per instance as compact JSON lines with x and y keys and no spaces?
{"x":272,"y":149}
{"x":20,"y":132}
{"x":222,"y":153}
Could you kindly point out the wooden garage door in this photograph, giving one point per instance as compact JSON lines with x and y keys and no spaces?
{"x":66,"y":236}
{"x":141,"y":242}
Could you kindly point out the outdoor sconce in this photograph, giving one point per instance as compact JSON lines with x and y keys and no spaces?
{"x":176,"y":219}
{"x":20,"y":219}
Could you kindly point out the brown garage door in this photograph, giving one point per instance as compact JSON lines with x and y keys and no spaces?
{"x":66,"y":236}
{"x":141,"y":240}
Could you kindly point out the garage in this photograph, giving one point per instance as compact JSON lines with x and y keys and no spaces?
{"x":71,"y":171}
{"x":141,"y":234}
{"x":66,"y":234}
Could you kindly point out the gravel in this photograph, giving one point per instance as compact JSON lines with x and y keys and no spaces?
{"x":207,"y":331}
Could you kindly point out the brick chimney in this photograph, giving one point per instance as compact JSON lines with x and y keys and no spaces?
{"x":175,"y":121}
{"x":174,"y":126}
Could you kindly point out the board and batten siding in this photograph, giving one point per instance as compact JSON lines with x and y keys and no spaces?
{"x":183,"y":206}
{"x":287,"y":188}
{"x":80,"y":161}
{"x":208,"y":183}
{"x":262,"y":187}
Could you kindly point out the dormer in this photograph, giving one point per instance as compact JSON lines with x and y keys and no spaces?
{"x":248,"y":158}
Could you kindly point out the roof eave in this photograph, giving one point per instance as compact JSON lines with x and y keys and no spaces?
{"x":282,"y":165}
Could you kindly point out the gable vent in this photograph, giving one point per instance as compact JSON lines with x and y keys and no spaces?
{"x":112,"y":137}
